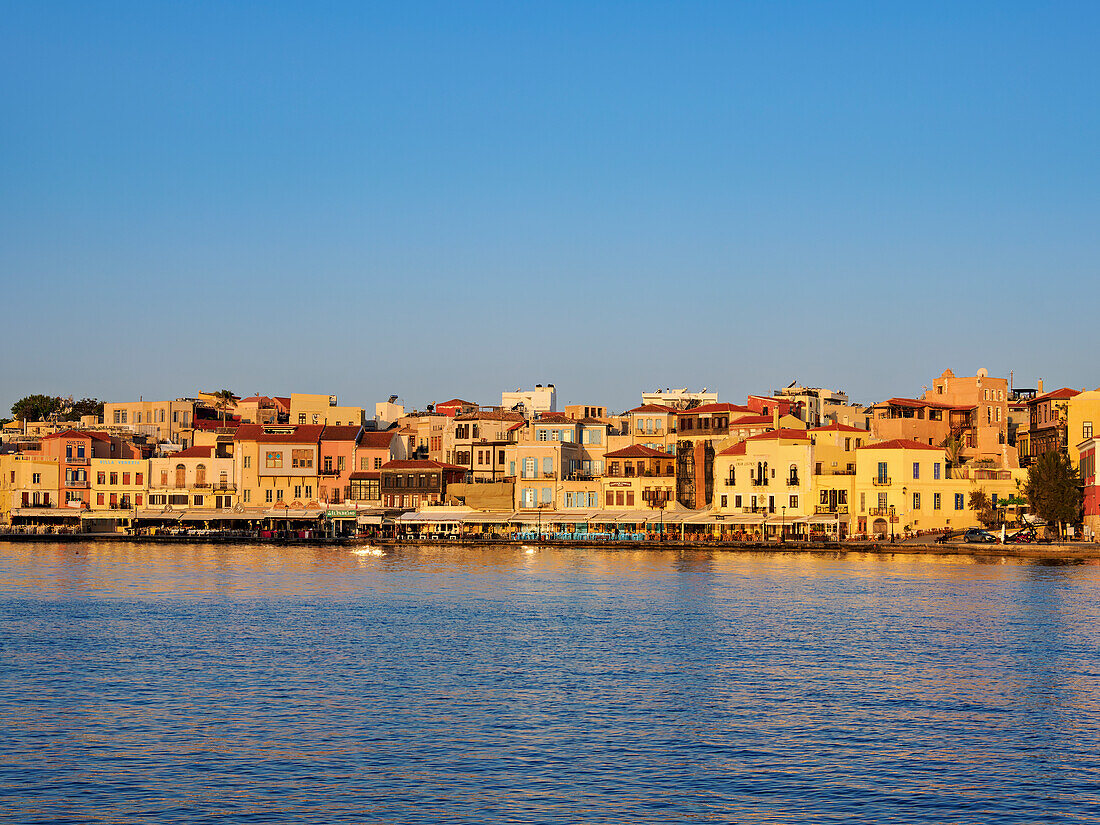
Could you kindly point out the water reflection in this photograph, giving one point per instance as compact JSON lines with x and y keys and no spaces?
{"x":174,"y":683}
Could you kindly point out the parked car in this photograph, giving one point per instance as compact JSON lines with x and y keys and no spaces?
{"x":976,"y":535}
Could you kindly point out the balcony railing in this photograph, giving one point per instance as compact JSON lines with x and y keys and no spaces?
{"x":830,"y":510}
{"x":792,"y":482}
{"x":202,"y":485}
{"x":879,"y":511}
{"x":759,"y":482}
{"x":328,"y":471}
{"x":221,"y":487}
{"x":77,"y":485}
{"x":881,"y":482}
{"x":729,"y":482}
{"x":79,"y":460}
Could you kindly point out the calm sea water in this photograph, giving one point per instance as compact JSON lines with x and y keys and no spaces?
{"x":260,"y":684}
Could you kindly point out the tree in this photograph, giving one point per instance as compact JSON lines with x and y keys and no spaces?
{"x":1053,"y":490}
{"x":35,"y":407}
{"x":983,"y":508}
{"x":86,"y":406}
{"x":953,"y":444}
{"x":223,"y":398}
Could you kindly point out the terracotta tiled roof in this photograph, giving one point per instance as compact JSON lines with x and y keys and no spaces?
{"x":1065,"y":392}
{"x":194,"y":452}
{"x":377,"y":440}
{"x":554,"y":418}
{"x":900,"y":444}
{"x":231,"y":422}
{"x":736,"y":449}
{"x":363,"y":475}
{"x":800,"y":435}
{"x":751,"y":420}
{"x":837,"y":428}
{"x":71,"y":433}
{"x":638,"y":451}
{"x":651,"y":408}
{"x":455,"y":402}
{"x":341,"y":432}
{"x":916,"y":402}
{"x":280,"y":434}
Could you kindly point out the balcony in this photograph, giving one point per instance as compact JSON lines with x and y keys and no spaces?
{"x":759,"y":482}
{"x":77,"y":485}
{"x":81,"y":461}
{"x":830,"y":510}
{"x":792,"y":482}
{"x":328,"y":471}
{"x":729,"y":482}
{"x":202,"y":485}
{"x":222,"y":487}
{"x":879,"y":511}
{"x":881,"y":481}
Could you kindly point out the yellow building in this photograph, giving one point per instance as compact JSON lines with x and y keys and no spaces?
{"x":118,"y":483}
{"x":192,"y":479}
{"x":903,"y":486}
{"x":27,"y":484}
{"x":1082,"y":418}
{"x":311,"y":409}
{"x":277,"y":465}
{"x":162,"y":420}
{"x":639,"y":477}
{"x":763,"y":483}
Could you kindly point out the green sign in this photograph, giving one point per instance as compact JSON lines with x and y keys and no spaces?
{"x":340,"y":514}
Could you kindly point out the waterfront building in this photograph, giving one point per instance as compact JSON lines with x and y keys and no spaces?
{"x":545,"y":451}
{"x":118,"y":484}
{"x":192,"y":479}
{"x":1086,"y":451}
{"x":583,"y":411}
{"x":29,"y":485}
{"x":639,"y":476}
{"x":415,"y":483}
{"x":277,"y":465}
{"x":765,"y":481}
{"x":477,"y":441}
{"x":338,"y":446}
{"x":456,"y":406}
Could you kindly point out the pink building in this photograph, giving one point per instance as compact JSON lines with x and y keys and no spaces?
{"x":338,"y":445}
{"x":1087,"y":450}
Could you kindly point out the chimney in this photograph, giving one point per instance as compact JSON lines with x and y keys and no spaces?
{"x":1039,"y":387}
{"x":775,"y":416}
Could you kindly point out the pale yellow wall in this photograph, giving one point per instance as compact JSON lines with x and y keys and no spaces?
{"x":19,"y":474}
{"x":780,"y":454}
{"x":109,"y":476}
{"x":317,"y":409}
{"x":255,"y":479}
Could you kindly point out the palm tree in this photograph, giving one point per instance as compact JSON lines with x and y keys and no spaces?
{"x":223,"y":399}
{"x":953,"y":444}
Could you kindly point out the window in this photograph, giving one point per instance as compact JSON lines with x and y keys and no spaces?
{"x":936,"y":471}
{"x":1086,"y":429}
{"x":309,"y":491}
{"x":793,"y":502}
{"x":547,"y":465}
{"x":935,"y":501}
{"x":316,"y":418}
{"x":99,"y":498}
{"x":297,"y":491}
{"x":301,"y":418}
{"x":847,"y":444}
{"x":274,"y":460}
{"x":302,"y":458}
{"x":114,"y":479}
{"x":916,"y":501}
{"x":139,"y":479}
{"x":723,"y":501}
{"x":100,"y":478}
{"x":198,"y":501}
{"x":247,"y":462}
{"x":268,"y":495}
{"x":882,"y":477}
{"x":958,"y":501}
{"x":916,"y":469}
{"x":737,"y":501}
{"x":328,"y":464}
{"x":126,"y":479}
{"x":247,"y":496}
{"x":378,"y":463}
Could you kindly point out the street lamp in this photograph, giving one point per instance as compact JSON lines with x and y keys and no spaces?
{"x":891,"y":523}
{"x":782,"y":522}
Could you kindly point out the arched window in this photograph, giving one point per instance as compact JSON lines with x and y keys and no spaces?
{"x":200,"y":475}
{"x":181,"y":476}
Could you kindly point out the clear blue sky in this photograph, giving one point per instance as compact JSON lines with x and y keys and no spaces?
{"x":454,"y":199}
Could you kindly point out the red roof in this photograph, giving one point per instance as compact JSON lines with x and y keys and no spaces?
{"x":900,"y":444}
{"x":231,"y":422}
{"x":751,"y":419}
{"x":554,"y":418}
{"x":377,"y":440}
{"x":283,"y":401}
{"x":362,"y":475}
{"x":800,"y":435}
{"x":280,"y":434}
{"x":490,"y":415}
{"x":651,"y":408}
{"x":194,"y":452}
{"x":455,"y":402}
{"x":341,"y":432}
{"x":706,"y":409}
{"x":420,"y":464}
{"x":637,"y":451}
{"x":736,"y":449}
{"x":917,"y":402}
{"x":837,"y":428}
{"x":71,"y":433}
{"x":1065,"y":392}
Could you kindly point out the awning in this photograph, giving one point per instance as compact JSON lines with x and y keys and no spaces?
{"x":46,"y":512}
{"x":370,"y":519}
{"x":219,"y":515}
{"x":432,"y":518}
{"x":171,"y":515}
{"x":291,"y":513}
{"x":827,"y":518}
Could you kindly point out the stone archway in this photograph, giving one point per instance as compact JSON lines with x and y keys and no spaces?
{"x":879,"y":528}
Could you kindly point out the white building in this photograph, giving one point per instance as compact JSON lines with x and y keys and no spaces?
{"x":539,"y":400}
{"x":679,"y":398}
